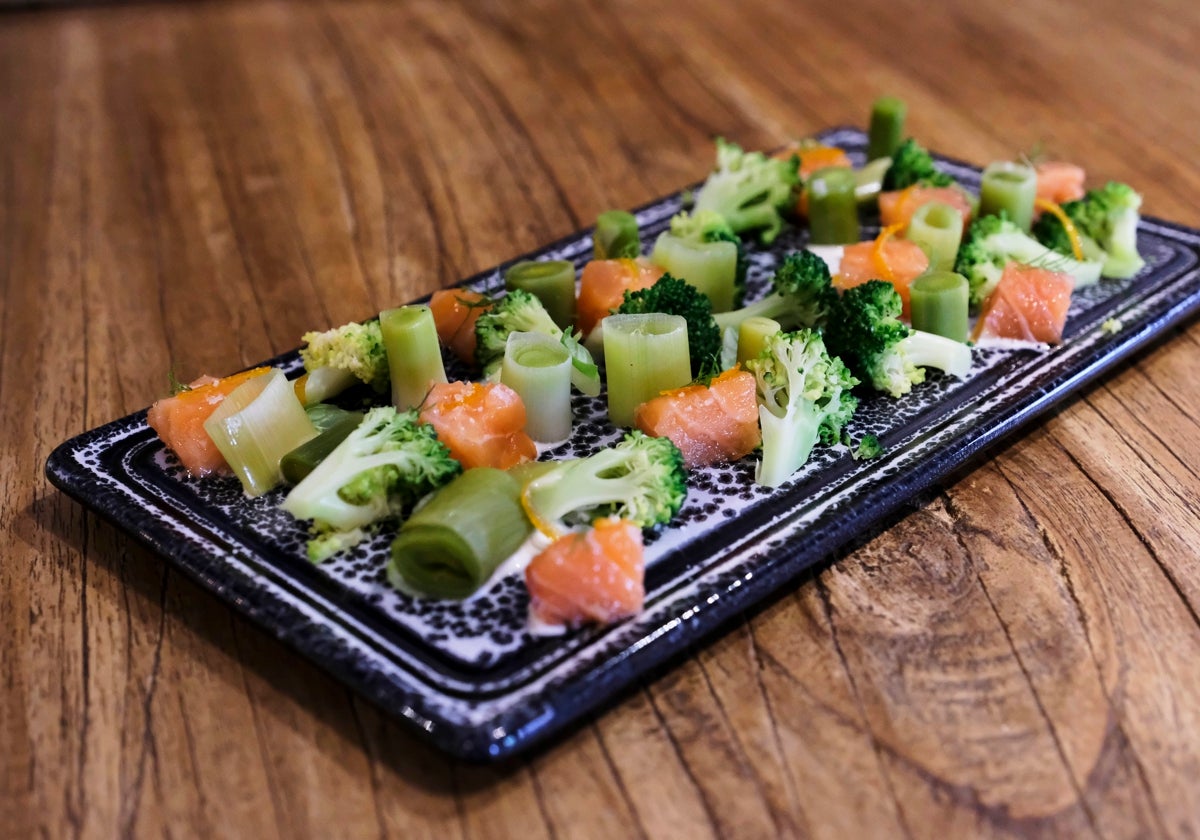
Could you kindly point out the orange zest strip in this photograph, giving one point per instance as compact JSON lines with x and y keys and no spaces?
{"x":1048,"y":206}
{"x":878,"y":258}
{"x":546,"y":528}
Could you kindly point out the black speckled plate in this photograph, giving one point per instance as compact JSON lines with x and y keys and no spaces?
{"x":468,"y":676}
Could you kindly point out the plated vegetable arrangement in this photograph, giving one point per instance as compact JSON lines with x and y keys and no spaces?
{"x":696,"y":374}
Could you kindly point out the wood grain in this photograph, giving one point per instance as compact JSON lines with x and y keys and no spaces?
{"x":192,"y":186}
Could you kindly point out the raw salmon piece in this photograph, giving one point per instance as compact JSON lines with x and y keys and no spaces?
{"x":896,"y":207}
{"x":481,"y":423}
{"x":595,"y":575}
{"x":179,"y":420}
{"x":1059,"y":181}
{"x":709,"y":423}
{"x":1028,"y":304}
{"x":602,"y":287}
{"x":897,"y":261}
{"x":455,"y":312}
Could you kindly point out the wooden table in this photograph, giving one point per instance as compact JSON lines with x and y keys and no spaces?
{"x":196,"y":185}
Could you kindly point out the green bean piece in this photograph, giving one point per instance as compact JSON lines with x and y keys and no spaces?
{"x":414,"y":354}
{"x":886,"y":130}
{"x":868,"y":180}
{"x":334,"y":428}
{"x":753,"y":334}
{"x":644,"y":355}
{"x":550,"y":281}
{"x":939,"y":301}
{"x":1010,"y":188}
{"x":938,"y":229}
{"x":453,"y":543}
{"x":832,"y":206}
{"x":538,"y":368}
{"x":709,"y":266}
{"x":616,"y":236}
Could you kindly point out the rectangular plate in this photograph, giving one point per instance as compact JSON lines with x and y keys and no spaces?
{"x":468,"y":676}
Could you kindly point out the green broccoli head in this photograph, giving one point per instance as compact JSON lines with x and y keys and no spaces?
{"x":801,"y":295}
{"x":377,"y":473}
{"x":1106,"y":221}
{"x":749,"y":189}
{"x":641,"y":478}
{"x":992,"y":242}
{"x":913,"y":165}
{"x":517,"y":311}
{"x":673,"y":296}
{"x":804,"y":396}
{"x":868,"y":447}
{"x":710,"y":226}
{"x":866,"y":331}
{"x":354,"y":348}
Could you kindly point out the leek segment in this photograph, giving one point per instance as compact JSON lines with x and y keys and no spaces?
{"x":644,"y":355}
{"x":538,"y":368}
{"x":413,"y":352}
{"x":256,"y":425}
{"x":454,"y":542}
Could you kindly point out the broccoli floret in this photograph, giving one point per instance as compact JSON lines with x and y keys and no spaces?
{"x":801,"y":294}
{"x":377,"y":473}
{"x":749,"y":189}
{"x":1106,"y":221}
{"x":868,"y":447}
{"x":521,"y":311}
{"x":710,"y":226}
{"x":803,"y":396}
{"x":673,"y":296}
{"x":641,"y":478}
{"x":344,"y":354}
{"x":994,"y":241}
{"x":865,"y":330}
{"x":912,"y":164}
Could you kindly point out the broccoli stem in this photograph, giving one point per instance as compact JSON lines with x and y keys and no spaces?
{"x":414,"y":354}
{"x":925,"y":349}
{"x":786,"y":444}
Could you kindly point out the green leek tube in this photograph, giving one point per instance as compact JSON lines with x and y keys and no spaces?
{"x":256,"y":425}
{"x":452,"y":544}
{"x":752,"y":336}
{"x":616,"y":236}
{"x":938,"y":229}
{"x":297,"y":464}
{"x":644,"y":355}
{"x":538,"y":368}
{"x":709,"y":266}
{"x":886,"y":131}
{"x":550,"y":281}
{"x":833,"y":206}
{"x":413,"y":352}
{"x":1011,"y":188}
{"x":939,"y":303}
{"x":868,"y":180}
